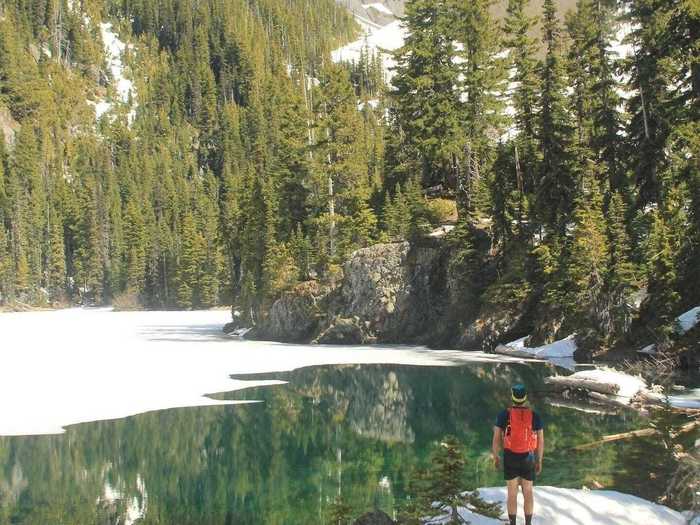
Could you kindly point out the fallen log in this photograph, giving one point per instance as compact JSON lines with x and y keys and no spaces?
{"x":514,"y":352}
{"x":637,"y":433}
{"x":566,"y":382}
{"x":607,"y":400}
{"x":581,"y":407}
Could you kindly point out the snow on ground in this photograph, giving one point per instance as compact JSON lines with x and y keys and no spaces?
{"x":374,"y":41}
{"x":688,"y":320}
{"x":114,"y":49}
{"x":70,"y":366}
{"x":559,"y":352}
{"x":629,"y":386}
{"x":559,"y":506}
{"x":378,"y":7}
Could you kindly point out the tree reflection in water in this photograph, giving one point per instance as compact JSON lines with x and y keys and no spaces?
{"x":355,"y":431}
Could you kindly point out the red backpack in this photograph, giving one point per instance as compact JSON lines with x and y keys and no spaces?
{"x":519,"y":435}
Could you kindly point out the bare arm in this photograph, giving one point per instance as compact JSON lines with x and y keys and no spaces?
{"x":540,"y":449}
{"x":496,"y":445}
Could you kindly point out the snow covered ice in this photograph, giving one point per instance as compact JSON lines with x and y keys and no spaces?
{"x":70,"y":366}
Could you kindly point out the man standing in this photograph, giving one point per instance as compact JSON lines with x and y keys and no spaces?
{"x":519,"y":431}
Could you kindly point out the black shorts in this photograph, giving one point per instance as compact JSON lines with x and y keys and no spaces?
{"x":518,"y":465}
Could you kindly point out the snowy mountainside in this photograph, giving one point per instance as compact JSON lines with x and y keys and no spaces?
{"x":380,"y":12}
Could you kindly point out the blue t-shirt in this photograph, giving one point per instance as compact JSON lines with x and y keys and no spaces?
{"x":502,"y":420}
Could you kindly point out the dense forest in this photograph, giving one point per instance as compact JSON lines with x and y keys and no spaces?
{"x":245,"y":161}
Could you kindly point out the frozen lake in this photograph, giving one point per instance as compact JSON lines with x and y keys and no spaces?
{"x":73,"y":366}
{"x":159,"y":418}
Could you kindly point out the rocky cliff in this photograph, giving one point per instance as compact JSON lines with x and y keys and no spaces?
{"x":389,"y":293}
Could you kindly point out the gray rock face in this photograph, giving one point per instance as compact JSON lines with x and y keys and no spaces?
{"x":374,"y":518}
{"x":377,"y":287}
{"x":387,"y":294}
{"x":343,"y":331}
{"x":294,"y":317}
{"x":9,"y":127}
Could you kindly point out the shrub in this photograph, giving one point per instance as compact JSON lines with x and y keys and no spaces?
{"x":126,"y":301}
{"x":441,"y":211}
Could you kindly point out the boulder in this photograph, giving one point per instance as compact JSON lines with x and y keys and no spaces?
{"x":376,"y":517}
{"x":294,"y":317}
{"x":344,"y":331}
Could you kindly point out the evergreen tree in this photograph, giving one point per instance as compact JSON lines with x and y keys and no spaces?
{"x":135,"y":247}
{"x":555,"y":185}
{"x":522,"y":52}
{"x":189,"y":264}
{"x":659,"y":309}
{"x":56,"y":275}
{"x":426,"y":105}
{"x":620,"y":278}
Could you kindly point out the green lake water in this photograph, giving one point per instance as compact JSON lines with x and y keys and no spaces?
{"x":359,"y":431}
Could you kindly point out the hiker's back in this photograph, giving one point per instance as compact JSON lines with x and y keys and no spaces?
{"x":520,"y":435}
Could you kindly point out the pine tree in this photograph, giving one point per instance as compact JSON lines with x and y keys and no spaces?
{"x":594,"y":97}
{"x":586,"y":261}
{"x":659,"y":309}
{"x":135,"y":247}
{"x":56,"y":275}
{"x":342,"y":186}
{"x":555,"y":185}
{"x":482,"y":82}
{"x":649,"y":109}
{"x":426,"y":105}
{"x":522,"y":53}
{"x":189,"y":264}
{"x":620,"y":277}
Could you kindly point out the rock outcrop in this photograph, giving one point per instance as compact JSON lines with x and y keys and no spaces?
{"x":295,"y":317}
{"x":8,"y":126}
{"x":389,"y":293}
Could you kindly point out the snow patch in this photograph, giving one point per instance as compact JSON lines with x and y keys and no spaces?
{"x":629,"y":386}
{"x":114,"y":50}
{"x":560,"y":353}
{"x":560,"y":506}
{"x":378,"y":7}
{"x":688,"y":320}
{"x":373,"y":103}
{"x":443,"y":230}
{"x":375,"y":41}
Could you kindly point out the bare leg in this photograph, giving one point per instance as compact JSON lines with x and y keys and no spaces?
{"x":513,"y":496}
{"x":529,"y":499}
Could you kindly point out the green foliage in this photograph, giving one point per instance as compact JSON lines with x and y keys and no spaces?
{"x":251,"y":162}
{"x":340,"y":512}
{"x":444,"y":482}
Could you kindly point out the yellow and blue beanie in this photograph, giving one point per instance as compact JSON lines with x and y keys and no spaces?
{"x":519,"y":394}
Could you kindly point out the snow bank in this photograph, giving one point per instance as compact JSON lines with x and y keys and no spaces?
{"x":71,"y":366}
{"x":688,"y":320}
{"x":375,"y":41}
{"x":378,"y":7}
{"x":114,"y":49}
{"x":629,"y":386}
{"x":559,"y":352}
{"x":559,"y":506}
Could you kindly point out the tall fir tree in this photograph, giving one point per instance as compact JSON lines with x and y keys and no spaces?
{"x":555,"y":185}
{"x":426,"y":105}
